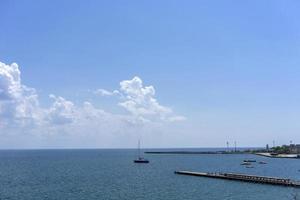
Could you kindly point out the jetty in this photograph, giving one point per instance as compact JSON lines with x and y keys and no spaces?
{"x":244,"y":177}
{"x":195,"y":152}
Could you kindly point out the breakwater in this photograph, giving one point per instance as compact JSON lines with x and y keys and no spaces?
{"x":196,"y":152}
{"x":245,"y":178}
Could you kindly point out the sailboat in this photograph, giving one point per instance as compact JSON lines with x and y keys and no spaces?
{"x":140,"y":159}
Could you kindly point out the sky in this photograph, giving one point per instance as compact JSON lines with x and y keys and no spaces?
{"x":103,"y":74}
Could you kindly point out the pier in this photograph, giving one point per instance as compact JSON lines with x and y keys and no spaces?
{"x":245,"y":178}
{"x":196,"y":152}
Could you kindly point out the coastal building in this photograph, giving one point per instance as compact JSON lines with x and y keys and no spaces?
{"x":294,"y":148}
{"x":267,"y":148}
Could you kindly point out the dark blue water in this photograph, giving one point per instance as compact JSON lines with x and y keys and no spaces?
{"x":111,"y":174}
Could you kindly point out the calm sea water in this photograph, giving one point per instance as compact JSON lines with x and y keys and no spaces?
{"x":112,"y":175}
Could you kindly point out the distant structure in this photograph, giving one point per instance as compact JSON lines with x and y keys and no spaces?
{"x":234,"y":146}
{"x":227,"y":144}
{"x":294,"y":148}
{"x":267,"y":147}
{"x":287,"y":149}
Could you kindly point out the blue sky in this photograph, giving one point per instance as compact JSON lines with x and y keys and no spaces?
{"x":231,"y":68}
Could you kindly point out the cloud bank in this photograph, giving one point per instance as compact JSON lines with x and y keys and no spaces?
{"x":21,"y":114}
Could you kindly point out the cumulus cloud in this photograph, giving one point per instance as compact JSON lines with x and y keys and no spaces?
{"x":61,"y":111}
{"x":20,"y":111}
{"x":18,"y":103}
{"x":140,"y":101}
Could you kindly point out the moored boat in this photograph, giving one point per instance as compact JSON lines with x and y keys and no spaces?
{"x":140,"y":159}
{"x":262,"y":163}
{"x":249,"y":160}
{"x":246,"y":163}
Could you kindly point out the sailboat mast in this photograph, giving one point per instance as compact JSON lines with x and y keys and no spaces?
{"x":140,"y":159}
{"x":139,"y":146}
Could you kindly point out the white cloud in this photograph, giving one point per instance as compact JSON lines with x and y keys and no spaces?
{"x":21,"y":114}
{"x":61,"y":111}
{"x":103,"y":92}
{"x":177,"y":118}
{"x":140,"y":101}
{"x":18,"y":103}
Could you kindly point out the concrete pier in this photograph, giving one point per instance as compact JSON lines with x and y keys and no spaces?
{"x":196,"y":152}
{"x":245,"y":178}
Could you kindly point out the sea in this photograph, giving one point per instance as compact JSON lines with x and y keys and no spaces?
{"x":110,"y":174}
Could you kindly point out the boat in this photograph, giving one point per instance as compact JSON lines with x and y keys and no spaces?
{"x":140,"y":159}
{"x":249,"y":166}
{"x":262,"y":163}
{"x":245,"y":163}
{"x":249,"y":160}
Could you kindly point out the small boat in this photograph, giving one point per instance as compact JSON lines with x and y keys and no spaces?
{"x":140,"y":159}
{"x":246,"y":163}
{"x":262,"y":163}
{"x":249,"y":160}
{"x":249,"y":167}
